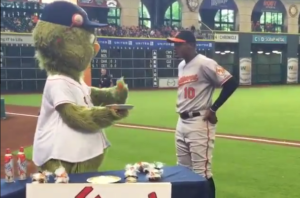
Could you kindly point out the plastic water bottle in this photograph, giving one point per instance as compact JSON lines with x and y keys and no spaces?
{"x":22,"y":164}
{"x":9,"y":166}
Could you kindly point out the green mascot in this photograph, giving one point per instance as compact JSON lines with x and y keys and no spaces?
{"x":69,"y":130}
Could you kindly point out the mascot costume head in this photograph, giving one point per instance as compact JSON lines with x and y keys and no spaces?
{"x":70,"y":126}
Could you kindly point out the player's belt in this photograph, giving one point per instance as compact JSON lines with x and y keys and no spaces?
{"x":187,"y":115}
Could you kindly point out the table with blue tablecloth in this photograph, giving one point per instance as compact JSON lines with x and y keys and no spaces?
{"x":185,"y":183}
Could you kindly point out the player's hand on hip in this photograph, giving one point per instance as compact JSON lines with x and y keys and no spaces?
{"x":210,"y":116}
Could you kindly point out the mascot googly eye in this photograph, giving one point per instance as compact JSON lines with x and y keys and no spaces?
{"x":77,"y":20}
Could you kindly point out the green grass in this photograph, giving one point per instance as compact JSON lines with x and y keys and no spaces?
{"x":241,"y":169}
{"x":33,"y":100}
{"x":267,"y":112}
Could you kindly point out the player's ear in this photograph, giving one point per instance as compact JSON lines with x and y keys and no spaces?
{"x":191,"y":46}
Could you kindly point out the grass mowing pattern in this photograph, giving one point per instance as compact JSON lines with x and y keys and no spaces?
{"x":266,"y":112}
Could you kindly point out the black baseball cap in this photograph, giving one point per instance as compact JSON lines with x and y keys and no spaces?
{"x":184,"y":36}
{"x":62,"y":12}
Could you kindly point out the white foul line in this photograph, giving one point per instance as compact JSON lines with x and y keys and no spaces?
{"x":170,"y":130}
{"x":20,"y":114}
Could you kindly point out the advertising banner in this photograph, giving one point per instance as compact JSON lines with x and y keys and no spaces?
{"x":99,"y":3}
{"x":292,"y":70}
{"x":226,"y":38}
{"x":269,"y":6}
{"x":20,"y":1}
{"x":168,"y":82}
{"x":218,"y":4}
{"x":137,"y":190}
{"x":269,"y":39}
{"x":106,"y":42}
{"x":151,"y":43}
{"x":16,"y":39}
{"x":245,"y":71}
{"x":50,"y":1}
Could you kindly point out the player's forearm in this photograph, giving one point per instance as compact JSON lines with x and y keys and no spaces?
{"x":228,"y":88}
{"x":87,"y":119}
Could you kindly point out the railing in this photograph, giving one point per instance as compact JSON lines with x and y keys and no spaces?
{"x":205,"y":32}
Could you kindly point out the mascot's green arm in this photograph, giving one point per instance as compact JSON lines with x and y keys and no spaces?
{"x":113,"y":95}
{"x":88,"y":119}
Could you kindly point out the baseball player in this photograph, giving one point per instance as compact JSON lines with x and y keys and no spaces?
{"x":198,"y":76}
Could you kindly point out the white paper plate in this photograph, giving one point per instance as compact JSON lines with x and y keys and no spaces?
{"x":103,"y":179}
{"x":120,"y":106}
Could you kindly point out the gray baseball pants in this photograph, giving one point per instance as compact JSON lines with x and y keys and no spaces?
{"x":195,"y":140}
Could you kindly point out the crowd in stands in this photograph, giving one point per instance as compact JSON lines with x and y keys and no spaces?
{"x":20,"y":21}
{"x":145,"y":32}
{"x":18,"y":24}
{"x":137,"y":31}
{"x":268,"y":27}
{"x":27,"y":23}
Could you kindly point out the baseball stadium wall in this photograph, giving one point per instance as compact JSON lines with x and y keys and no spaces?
{"x":252,"y":58}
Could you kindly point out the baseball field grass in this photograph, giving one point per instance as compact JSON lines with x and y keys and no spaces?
{"x":267,"y":112}
{"x":241,"y":169}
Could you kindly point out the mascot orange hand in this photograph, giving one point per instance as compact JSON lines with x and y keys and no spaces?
{"x":120,"y":84}
{"x":121,"y":91}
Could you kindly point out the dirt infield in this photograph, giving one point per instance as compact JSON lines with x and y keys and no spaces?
{"x":18,"y":130}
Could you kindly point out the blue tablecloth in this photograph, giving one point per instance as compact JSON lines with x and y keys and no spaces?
{"x":185,"y":183}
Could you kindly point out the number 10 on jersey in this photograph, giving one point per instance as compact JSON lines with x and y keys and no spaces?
{"x":189,"y":93}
